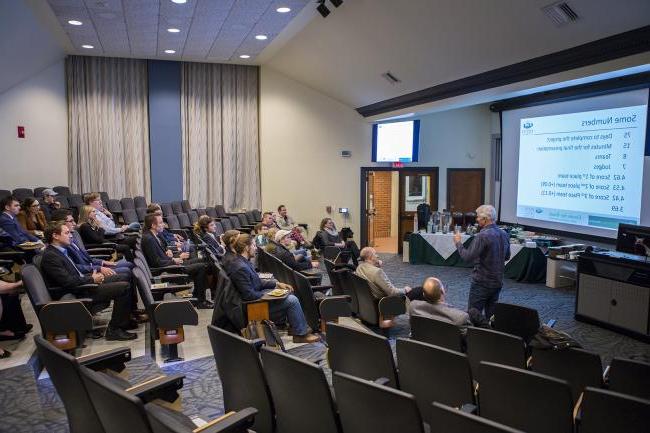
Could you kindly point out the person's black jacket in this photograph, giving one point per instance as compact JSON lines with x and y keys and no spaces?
{"x":287,"y":257}
{"x":213,"y":244}
{"x":58,"y":271}
{"x":90,"y":234}
{"x":327,"y":240}
{"x":154,"y":252}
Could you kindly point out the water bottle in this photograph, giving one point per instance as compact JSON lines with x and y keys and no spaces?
{"x":430,"y":225}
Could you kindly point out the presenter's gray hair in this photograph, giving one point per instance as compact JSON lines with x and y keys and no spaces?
{"x":487,"y":211}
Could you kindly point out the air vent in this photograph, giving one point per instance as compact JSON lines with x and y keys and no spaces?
{"x":392,"y":79}
{"x":560,"y":13}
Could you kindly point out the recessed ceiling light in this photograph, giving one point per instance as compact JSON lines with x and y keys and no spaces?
{"x":173,"y":30}
{"x":180,"y":2}
{"x":244,"y":56}
{"x":87,"y":46}
{"x":283,"y":10}
{"x":75,"y":23}
{"x":261,"y":37}
{"x":170,"y":51}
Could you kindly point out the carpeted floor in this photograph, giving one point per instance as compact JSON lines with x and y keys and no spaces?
{"x":27,"y":405}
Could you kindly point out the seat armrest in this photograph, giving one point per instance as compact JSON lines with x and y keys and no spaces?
{"x":174,"y":313}
{"x":111,"y":245}
{"x":111,"y":359}
{"x":320,"y":288}
{"x":391,"y":306}
{"x":64,"y":316}
{"x":101,"y":256}
{"x":382,"y":381}
{"x":171,"y":268}
{"x":232,"y":422}
{"x":6,"y":263}
{"x":100,"y":250}
{"x":258,"y":343}
{"x":163,"y":277}
{"x":469,"y":408}
{"x":159,"y":387}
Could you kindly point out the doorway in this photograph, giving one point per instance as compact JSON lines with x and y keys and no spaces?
{"x":465,"y":189}
{"x":389,"y":200}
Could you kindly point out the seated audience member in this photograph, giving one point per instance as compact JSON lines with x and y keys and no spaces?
{"x":261,"y":233}
{"x":92,"y":232}
{"x":31,"y":217}
{"x":370,"y":269}
{"x":158,"y":256}
{"x":9,"y":224}
{"x":49,"y":203}
{"x":328,"y":236}
{"x":242,"y":249}
{"x":285,"y":222}
{"x":280,"y":249}
{"x":267,"y":221}
{"x":174,"y":241}
{"x":82,"y":259}
{"x":12,"y":320}
{"x":60,"y":271}
{"x":105,"y":218}
{"x":433,"y":305}
{"x":206,"y":229}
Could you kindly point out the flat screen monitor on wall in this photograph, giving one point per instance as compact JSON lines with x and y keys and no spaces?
{"x":578,"y":166}
{"x":396,"y":141}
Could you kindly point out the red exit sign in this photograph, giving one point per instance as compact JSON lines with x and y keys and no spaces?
{"x":21,"y":132}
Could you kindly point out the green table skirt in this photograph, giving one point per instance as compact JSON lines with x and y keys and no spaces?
{"x":528,"y":266}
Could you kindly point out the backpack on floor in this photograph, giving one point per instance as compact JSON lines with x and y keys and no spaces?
{"x":548,"y":338}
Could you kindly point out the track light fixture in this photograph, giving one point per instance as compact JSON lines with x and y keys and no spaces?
{"x":322,"y":9}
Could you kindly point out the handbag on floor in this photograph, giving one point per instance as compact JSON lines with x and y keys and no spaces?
{"x":548,"y":338}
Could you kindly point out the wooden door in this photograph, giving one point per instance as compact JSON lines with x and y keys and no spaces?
{"x":416,"y":186}
{"x":465,"y":189}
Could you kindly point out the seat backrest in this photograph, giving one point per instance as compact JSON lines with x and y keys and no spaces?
{"x":242,"y":219}
{"x":114,"y":205}
{"x":127,"y":203}
{"x":76,"y":200}
{"x":186,"y":206}
{"x":368,"y":310}
{"x":235,"y":222}
{"x":104,"y":196}
{"x":529,"y":401}
{"x":140,"y":262}
{"x":433,"y":373}
{"x":366,"y":407}
{"x":211,"y":212}
{"x":605,"y":411}
{"x":63,"y":200}
{"x":305,"y":295}
{"x":65,"y":374}
{"x":177,"y":207}
{"x":359,"y":353}
{"x":436,"y":332}
{"x":141,"y":212}
{"x":184,"y":220}
{"x":258,"y":214}
{"x":221,"y":211}
{"x":226,"y":224}
{"x":631,"y":377}
{"x":22,"y":193}
{"x":130,"y":216}
{"x":494,"y":346}
{"x":118,"y":410}
{"x":305,"y":408}
{"x":139,"y":201}
{"x":144,"y":286}
{"x":62,"y":190}
{"x":201,"y":211}
{"x":218,"y":229}
{"x":166,"y":209}
{"x":577,"y":366}
{"x":452,"y":420}
{"x":250,"y":216}
{"x":35,"y":286}
{"x":516,"y":320}
{"x":347,"y":285}
{"x":194,"y":216}
{"x":172,"y":222}
{"x":4,"y":193}
{"x":38,"y":191}
{"x":242,"y":378}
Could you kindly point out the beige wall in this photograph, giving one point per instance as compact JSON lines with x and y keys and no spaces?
{"x":302,"y":133}
{"x":38,"y":104}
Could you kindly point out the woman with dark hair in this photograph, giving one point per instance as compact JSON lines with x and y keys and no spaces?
{"x":206,"y":229}
{"x":328,"y":236}
{"x":251,"y":287}
{"x":31,"y":217}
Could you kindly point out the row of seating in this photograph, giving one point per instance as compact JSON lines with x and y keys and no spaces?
{"x":252,"y":375}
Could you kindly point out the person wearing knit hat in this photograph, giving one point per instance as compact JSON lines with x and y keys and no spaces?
{"x":283,"y":243}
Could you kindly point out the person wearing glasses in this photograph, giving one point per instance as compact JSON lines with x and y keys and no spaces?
{"x":31,"y":217}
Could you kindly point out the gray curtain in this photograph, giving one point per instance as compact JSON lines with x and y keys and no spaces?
{"x":219,"y":121}
{"x":108,"y":133}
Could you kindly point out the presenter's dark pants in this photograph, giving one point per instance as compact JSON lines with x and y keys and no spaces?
{"x":483,"y":299}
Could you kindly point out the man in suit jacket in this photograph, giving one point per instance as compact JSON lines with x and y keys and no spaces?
{"x":433,"y":305}
{"x":9,"y":223}
{"x":154,"y":250}
{"x":370,"y":269}
{"x":60,"y":271}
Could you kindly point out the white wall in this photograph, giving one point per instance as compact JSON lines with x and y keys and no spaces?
{"x":38,"y":104}
{"x":301,"y":135}
{"x":302,"y":132}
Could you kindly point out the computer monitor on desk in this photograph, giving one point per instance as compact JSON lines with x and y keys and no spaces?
{"x":633,"y":239}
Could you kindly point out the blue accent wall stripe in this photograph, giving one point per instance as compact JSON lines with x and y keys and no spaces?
{"x":165,"y":142}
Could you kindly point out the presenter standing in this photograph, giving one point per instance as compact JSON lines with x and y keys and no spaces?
{"x":489,"y":250}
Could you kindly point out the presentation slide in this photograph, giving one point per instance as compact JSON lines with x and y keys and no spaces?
{"x":395,"y":142}
{"x":583,"y":168}
{"x":579,"y":166}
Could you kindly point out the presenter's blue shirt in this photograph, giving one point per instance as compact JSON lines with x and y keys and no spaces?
{"x":489,"y":250}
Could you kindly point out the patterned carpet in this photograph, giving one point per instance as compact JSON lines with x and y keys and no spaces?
{"x":27,"y":405}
